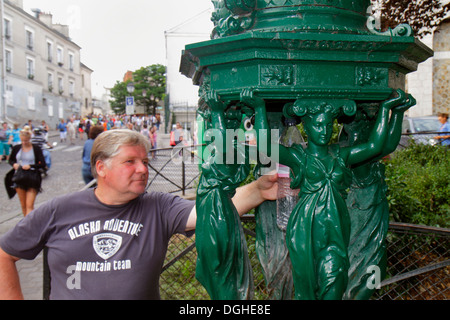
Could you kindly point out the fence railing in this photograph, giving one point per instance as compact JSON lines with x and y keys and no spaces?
{"x":421,"y":137}
{"x":418,"y":265}
{"x":174,"y":169}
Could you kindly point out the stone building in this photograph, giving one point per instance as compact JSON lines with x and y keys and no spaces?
{"x":42,"y":76}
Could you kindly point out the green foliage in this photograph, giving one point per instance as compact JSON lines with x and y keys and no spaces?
{"x":118,"y":93}
{"x":418,"y":178}
{"x":150,"y":87}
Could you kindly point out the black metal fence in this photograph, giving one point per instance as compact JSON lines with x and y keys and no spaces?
{"x":422,"y":137}
{"x":418,"y":266}
{"x":173,"y":170}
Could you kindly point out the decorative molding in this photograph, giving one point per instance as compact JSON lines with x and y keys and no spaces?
{"x":277,"y":75}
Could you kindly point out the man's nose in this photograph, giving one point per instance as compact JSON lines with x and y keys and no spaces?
{"x":142,"y":167}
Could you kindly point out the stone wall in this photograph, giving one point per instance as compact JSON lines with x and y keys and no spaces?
{"x":441,"y":69}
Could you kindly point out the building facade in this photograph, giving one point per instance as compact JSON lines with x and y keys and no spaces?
{"x":42,"y":75}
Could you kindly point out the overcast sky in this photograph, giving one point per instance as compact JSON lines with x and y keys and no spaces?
{"x":119,"y":35}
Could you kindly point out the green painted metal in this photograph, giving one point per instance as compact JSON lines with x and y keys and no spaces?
{"x":315,"y":61}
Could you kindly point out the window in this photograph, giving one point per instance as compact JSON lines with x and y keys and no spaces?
{"x":9,"y":95}
{"x":30,"y":68}
{"x":50,"y":81}
{"x":7,"y":25}
{"x":49,"y":51}
{"x":8,"y":61}
{"x":50,"y":109}
{"x":60,"y":85}
{"x":71,"y":88}
{"x":31,"y":101}
{"x":29,"y":38}
{"x":60,"y":110}
{"x":71,"y":61}
{"x":60,"y":56}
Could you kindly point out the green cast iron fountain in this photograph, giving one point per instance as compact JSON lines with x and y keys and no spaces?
{"x":315,"y":61}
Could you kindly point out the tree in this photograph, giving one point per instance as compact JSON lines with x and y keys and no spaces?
{"x":150,"y":84}
{"x":118,"y":94}
{"x":422,"y":15}
{"x":150,"y":87}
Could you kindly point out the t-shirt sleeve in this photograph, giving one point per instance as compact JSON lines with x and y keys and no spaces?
{"x":27,"y":239}
{"x":175,"y":213}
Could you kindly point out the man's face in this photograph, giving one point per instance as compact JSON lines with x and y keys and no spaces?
{"x":127,"y":172}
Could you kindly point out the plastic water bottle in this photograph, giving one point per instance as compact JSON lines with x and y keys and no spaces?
{"x":287,"y":197}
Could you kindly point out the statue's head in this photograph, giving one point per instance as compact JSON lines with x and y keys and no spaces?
{"x":318,"y":122}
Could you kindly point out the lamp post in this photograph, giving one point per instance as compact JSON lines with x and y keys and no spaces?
{"x":129,"y":101}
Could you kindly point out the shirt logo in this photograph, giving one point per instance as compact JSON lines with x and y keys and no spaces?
{"x":106,"y":244}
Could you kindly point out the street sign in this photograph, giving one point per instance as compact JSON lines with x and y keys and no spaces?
{"x":129,"y":101}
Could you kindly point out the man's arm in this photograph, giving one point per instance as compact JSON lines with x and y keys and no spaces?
{"x":247,"y":197}
{"x":9,"y":278}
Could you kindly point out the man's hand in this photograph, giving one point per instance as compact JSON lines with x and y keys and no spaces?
{"x":253,"y":194}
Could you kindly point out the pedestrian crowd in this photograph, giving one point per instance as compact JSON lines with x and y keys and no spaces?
{"x":26,"y":148}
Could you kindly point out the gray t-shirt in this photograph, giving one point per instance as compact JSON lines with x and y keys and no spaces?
{"x":96,"y":251}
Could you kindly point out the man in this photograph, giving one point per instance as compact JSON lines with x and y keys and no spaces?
{"x":444,"y":138}
{"x":71,"y":130}
{"x":114,"y":237}
{"x":62,"y":127}
{"x":40,"y":138}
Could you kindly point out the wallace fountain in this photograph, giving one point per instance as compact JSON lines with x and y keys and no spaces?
{"x":316,"y":62}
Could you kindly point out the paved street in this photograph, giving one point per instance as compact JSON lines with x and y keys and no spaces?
{"x":63,"y":177}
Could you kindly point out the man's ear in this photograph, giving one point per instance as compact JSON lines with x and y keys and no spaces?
{"x":100,"y":167}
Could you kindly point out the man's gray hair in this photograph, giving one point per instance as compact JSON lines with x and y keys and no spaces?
{"x":107,"y":144}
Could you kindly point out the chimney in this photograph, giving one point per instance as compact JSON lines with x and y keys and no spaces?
{"x":61,"y":28}
{"x":46,"y":18}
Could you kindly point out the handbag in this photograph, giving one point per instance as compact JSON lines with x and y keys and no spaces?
{"x":20,"y":176}
{"x":27,"y":178}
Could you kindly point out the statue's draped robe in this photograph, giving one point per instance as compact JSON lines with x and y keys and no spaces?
{"x":319,"y":227}
{"x":223,"y":265}
{"x":369,"y":216}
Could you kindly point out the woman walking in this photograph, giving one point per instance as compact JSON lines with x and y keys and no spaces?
{"x":27,"y":160}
